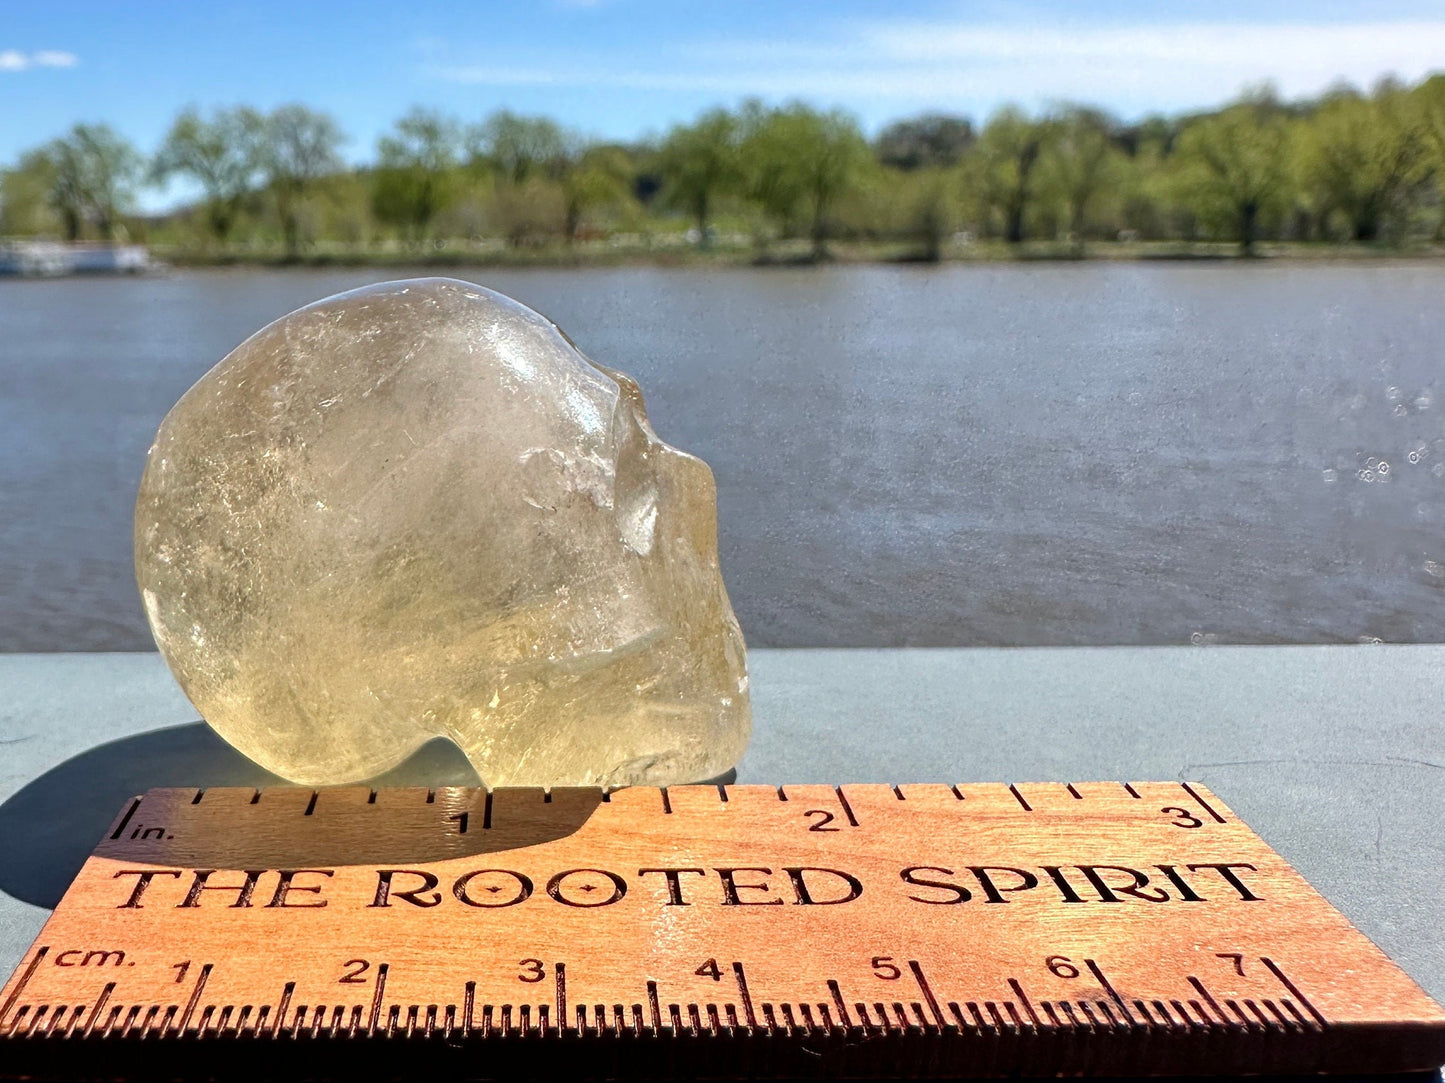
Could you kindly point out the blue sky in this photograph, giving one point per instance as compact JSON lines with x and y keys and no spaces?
{"x":626,"y":68}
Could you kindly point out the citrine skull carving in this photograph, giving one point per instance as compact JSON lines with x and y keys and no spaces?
{"x":416,"y":510}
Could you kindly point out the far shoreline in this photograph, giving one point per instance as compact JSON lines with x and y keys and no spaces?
{"x":785,"y":255}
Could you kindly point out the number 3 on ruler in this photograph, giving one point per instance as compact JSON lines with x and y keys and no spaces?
{"x":1185,"y":818}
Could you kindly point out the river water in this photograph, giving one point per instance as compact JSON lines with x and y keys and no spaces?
{"x":997,"y":454}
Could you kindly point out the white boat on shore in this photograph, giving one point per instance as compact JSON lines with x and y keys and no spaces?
{"x":49,"y":259}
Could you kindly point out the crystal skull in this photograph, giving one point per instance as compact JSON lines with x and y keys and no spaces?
{"x":416,"y":510}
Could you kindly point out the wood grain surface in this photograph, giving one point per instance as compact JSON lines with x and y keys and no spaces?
{"x":720,"y":932}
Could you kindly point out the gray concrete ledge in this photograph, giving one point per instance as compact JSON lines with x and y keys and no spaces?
{"x":1336,"y":755}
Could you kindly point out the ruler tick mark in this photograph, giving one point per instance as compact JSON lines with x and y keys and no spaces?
{"x":958,"y":1019}
{"x":1075,"y":794}
{"x":561,"y":996}
{"x":285,"y":1003}
{"x":1205,"y":805}
{"x":1163,"y":1010}
{"x":58,"y":1020}
{"x":1294,"y":1011}
{"x":897,"y":792}
{"x":487,"y":811}
{"x":1020,"y":798}
{"x":1203,"y":1015}
{"x":1106,"y":1010}
{"x":35,"y":1020}
{"x":99,"y":1006}
{"x":1183,"y":1012}
{"x":1294,"y":990}
{"x":666,"y":801}
{"x":55,"y":1017}
{"x":1209,"y":999}
{"x":35,"y":960}
{"x":376,"y":998}
{"x":839,"y":1003}
{"x":1000,"y":1023}
{"x":807,"y":1013}
{"x":311,"y":805}
{"x":1258,"y":1014}
{"x":746,"y":996}
{"x":1108,"y":988}
{"x":1279,"y":1015}
{"x":1131,"y":791}
{"x":135,"y":804}
{"x":847,"y":808}
{"x":78,"y":1013}
{"x":1013,"y":983}
{"x":927,"y":991}
{"x":1068,"y":1020}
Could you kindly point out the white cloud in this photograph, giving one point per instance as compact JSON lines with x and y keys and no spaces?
{"x":54,"y":58}
{"x":486,"y":75}
{"x":1173,"y":60}
{"x":1129,"y":67}
{"x":15,"y":60}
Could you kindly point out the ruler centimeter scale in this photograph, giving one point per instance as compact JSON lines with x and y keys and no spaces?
{"x":976,"y":930}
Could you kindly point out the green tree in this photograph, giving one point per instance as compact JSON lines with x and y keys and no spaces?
{"x":1004,"y":162}
{"x":527,"y":212}
{"x":94,"y":177}
{"x":1236,"y":166}
{"x":414,"y":177}
{"x":519,"y":147}
{"x":1363,"y":158}
{"x":1430,"y":100}
{"x":94,"y":173}
{"x":934,"y":139}
{"x":1080,"y":162}
{"x":526,"y":158}
{"x":26,"y":208}
{"x":700,"y":163}
{"x":299,"y":148}
{"x":799,"y":161}
{"x":222,"y":154}
{"x":594,"y":176}
{"x":928,"y":197}
{"x":1147,"y":194}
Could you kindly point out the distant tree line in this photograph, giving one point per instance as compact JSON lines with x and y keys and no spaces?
{"x":1346,"y":167}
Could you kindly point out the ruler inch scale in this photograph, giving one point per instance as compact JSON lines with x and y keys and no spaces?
{"x":983,"y":930}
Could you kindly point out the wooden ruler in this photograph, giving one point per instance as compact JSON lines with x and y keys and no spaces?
{"x":980,"y":930}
